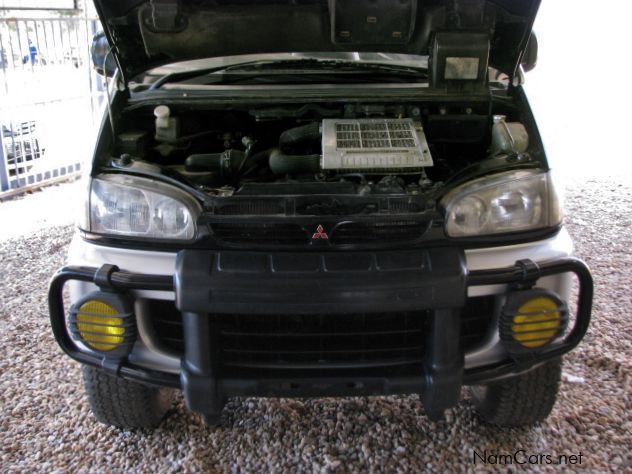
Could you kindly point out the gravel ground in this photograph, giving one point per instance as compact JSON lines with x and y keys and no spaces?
{"x":45,"y":424}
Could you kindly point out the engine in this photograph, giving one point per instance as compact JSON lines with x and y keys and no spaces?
{"x":316,"y":150}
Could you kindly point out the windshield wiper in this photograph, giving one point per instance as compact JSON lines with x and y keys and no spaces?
{"x":320,"y":64}
{"x":184,"y":75}
{"x":327,"y":64}
{"x":310,"y":77}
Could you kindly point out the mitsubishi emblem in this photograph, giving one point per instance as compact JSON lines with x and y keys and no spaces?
{"x":320,"y":233}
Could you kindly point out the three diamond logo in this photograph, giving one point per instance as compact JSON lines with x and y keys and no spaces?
{"x":320,"y":233}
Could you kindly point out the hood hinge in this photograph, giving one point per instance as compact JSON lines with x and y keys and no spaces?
{"x":165,"y":15}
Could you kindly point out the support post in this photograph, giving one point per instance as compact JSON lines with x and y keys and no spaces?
{"x":444,"y":363}
{"x":4,"y":171}
{"x":199,"y":366}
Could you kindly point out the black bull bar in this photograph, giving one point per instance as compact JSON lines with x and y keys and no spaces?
{"x":439,"y":382}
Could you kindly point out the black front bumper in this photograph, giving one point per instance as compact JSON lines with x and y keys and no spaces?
{"x":434,"y":280}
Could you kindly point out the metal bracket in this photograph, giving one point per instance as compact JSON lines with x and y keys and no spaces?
{"x":111,"y":366}
{"x":103,"y":277}
{"x":530,"y":274}
{"x":165,"y":15}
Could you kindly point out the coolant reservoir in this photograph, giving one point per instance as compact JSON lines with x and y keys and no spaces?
{"x":167,"y":127}
{"x":508,"y":137}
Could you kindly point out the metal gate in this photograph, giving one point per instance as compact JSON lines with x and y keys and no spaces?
{"x":50,"y":100}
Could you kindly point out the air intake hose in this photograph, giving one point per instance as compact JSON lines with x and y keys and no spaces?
{"x":292,"y":138}
{"x":226,"y":163}
{"x":280,"y":163}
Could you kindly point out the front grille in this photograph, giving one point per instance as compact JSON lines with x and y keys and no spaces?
{"x":260,"y":233}
{"x":318,"y":206}
{"x":251,"y":207}
{"x":292,"y":221}
{"x":166,"y":325}
{"x":376,"y":232}
{"x":476,"y":319}
{"x":401,"y":206}
{"x":305,"y":343}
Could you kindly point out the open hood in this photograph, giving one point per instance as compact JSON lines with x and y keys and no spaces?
{"x":150,"y":33}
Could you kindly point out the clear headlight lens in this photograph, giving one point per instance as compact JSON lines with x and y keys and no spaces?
{"x":505,"y":202}
{"x":139,"y":207}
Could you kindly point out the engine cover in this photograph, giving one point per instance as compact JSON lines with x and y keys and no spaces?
{"x":374,"y":145}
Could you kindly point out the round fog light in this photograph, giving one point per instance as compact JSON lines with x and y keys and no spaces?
{"x":531,"y":319}
{"x":99,"y":326}
{"x":105,"y":323}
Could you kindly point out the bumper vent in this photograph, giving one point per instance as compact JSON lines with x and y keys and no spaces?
{"x":392,"y":342}
{"x":308,"y":342}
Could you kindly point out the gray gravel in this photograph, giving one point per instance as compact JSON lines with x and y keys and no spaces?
{"x":45,"y":424}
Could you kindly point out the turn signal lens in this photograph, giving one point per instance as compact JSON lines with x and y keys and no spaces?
{"x":99,"y":327}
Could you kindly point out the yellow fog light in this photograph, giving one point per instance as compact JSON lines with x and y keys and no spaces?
{"x":537,"y":322}
{"x":104,"y":322}
{"x":532,"y":319}
{"x":98,"y":327}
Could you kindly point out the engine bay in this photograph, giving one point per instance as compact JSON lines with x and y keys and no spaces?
{"x":315,"y":149}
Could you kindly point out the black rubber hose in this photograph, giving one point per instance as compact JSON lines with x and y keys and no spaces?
{"x":261,"y":156}
{"x":226,"y":163}
{"x":257,"y":161}
{"x":204,"y":162}
{"x":280,"y":163}
{"x":289,"y":139}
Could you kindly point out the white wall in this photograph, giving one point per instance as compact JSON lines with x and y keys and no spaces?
{"x":581,"y":90}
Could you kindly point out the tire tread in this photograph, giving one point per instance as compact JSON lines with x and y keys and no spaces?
{"x":123,"y":403}
{"x":522,"y":400}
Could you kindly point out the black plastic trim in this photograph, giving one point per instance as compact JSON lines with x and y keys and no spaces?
{"x":357,"y":385}
{"x":232,"y":95}
{"x":230,"y":282}
{"x":434,"y":237}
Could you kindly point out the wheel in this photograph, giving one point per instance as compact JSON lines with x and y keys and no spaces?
{"x":521,"y":400}
{"x":119,"y":402}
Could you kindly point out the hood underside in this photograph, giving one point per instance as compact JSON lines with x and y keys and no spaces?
{"x":151,"y":33}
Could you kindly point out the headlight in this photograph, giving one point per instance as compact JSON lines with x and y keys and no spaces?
{"x":506,"y":202}
{"x":139,"y":207}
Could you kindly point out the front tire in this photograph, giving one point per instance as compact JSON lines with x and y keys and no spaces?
{"x":123,"y":403}
{"x":522,"y":400}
